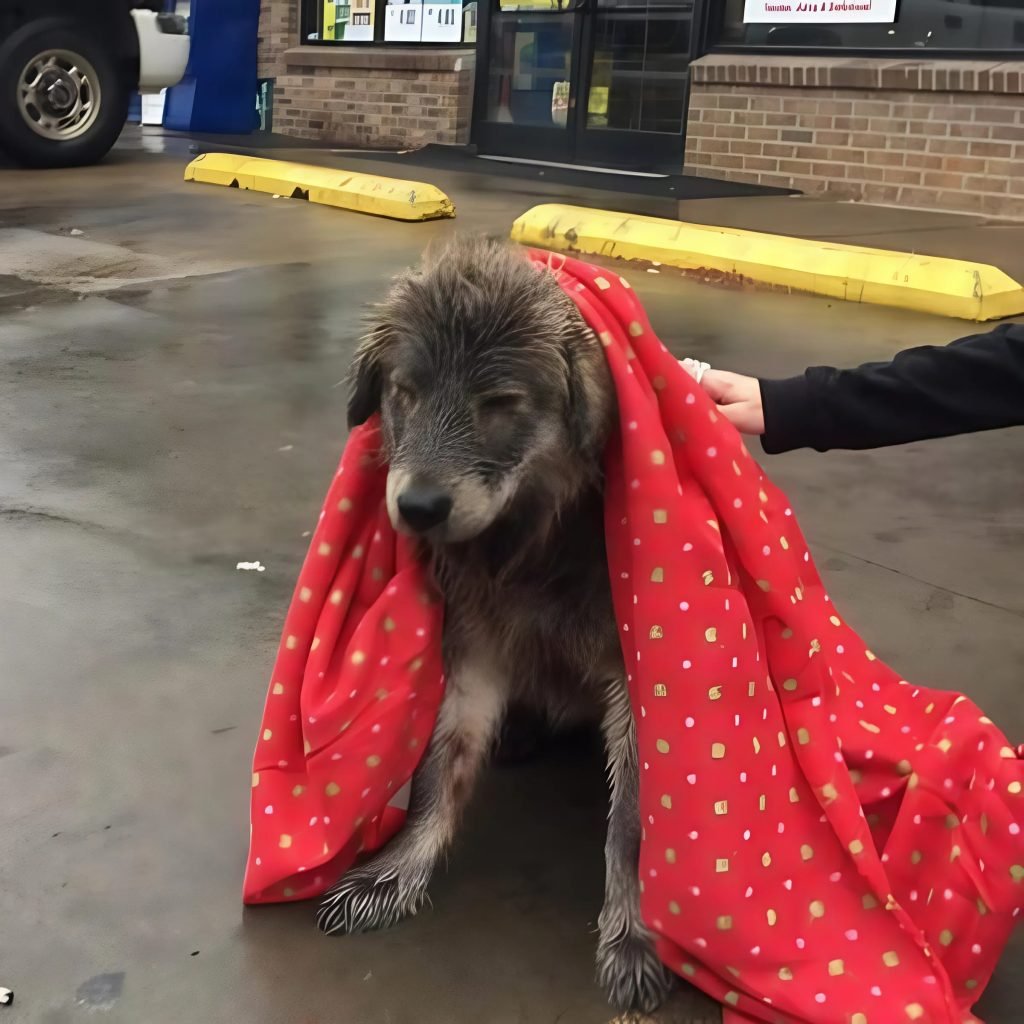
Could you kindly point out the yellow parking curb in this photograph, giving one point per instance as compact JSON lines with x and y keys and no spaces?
{"x":930,"y":284}
{"x":363,"y":193}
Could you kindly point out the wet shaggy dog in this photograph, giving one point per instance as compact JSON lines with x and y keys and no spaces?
{"x":495,"y":402}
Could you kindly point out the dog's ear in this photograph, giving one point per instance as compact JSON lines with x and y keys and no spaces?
{"x":366,"y":379}
{"x":589,"y":387}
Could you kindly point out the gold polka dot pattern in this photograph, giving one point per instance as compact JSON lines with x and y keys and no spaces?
{"x":776,"y":862}
{"x":756,"y":834}
{"x":353,"y":698}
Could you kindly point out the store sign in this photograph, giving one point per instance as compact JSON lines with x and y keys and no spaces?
{"x":829,"y":12}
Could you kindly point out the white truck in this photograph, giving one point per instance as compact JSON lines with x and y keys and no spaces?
{"x":68,"y":69}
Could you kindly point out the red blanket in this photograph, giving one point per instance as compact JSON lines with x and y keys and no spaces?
{"x":823,"y":840}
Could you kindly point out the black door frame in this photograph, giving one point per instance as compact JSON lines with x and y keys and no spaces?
{"x":621,"y":149}
{"x":493,"y":138}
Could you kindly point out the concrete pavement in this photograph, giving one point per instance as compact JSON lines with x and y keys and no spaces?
{"x":168,"y":407}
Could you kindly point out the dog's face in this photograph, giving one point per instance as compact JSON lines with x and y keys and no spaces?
{"x":492,"y":391}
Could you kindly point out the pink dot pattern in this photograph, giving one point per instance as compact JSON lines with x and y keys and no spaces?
{"x":823,"y":841}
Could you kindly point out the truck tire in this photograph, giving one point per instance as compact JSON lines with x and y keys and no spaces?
{"x":63,"y":95}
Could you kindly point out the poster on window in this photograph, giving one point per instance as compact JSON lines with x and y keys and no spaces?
{"x":349,"y":21}
{"x":360,"y":22}
{"x":427,"y":21}
{"x":403,"y":21}
{"x":442,"y":21}
{"x":827,"y":12}
{"x":560,"y":104}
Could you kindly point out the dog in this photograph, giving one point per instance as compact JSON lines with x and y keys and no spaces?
{"x":496,"y":402}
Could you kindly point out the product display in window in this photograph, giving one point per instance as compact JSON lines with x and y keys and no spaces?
{"x":392,"y":21}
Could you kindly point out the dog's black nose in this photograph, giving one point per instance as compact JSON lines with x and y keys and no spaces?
{"x":423,"y":507}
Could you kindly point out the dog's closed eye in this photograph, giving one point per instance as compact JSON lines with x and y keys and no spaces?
{"x":502,"y":403}
{"x":403,"y":391}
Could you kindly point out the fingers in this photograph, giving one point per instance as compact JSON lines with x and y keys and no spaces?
{"x":738,"y":399}
{"x":717,"y":384}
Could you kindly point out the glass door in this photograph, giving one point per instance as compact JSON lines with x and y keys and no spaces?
{"x":527,"y":86}
{"x":638,"y":85}
{"x":601,"y":82}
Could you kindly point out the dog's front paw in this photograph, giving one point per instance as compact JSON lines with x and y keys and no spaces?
{"x":366,"y":900}
{"x":632,"y":976}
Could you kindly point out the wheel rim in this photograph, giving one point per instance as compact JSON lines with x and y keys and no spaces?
{"x":59,"y":95}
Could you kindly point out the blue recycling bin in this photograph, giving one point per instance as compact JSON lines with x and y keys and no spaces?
{"x":218,"y":92}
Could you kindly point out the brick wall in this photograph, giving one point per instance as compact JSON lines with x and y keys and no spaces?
{"x":279,"y":31}
{"x":381,"y":97}
{"x":944,"y":135}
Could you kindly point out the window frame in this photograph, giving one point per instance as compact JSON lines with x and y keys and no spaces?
{"x":311,"y":14}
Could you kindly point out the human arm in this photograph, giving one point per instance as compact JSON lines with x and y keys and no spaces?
{"x":974,"y":384}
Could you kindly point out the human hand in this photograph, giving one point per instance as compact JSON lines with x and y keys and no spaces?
{"x":738,"y":399}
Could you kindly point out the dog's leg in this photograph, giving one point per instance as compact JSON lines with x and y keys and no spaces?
{"x":392,"y":884}
{"x":628,"y":967}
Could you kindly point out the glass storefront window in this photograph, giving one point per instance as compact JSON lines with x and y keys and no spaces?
{"x":393,"y":21}
{"x":640,"y":67}
{"x":528,"y":77}
{"x":957,"y":25}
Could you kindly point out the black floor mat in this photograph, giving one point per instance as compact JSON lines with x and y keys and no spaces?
{"x":672,"y":186}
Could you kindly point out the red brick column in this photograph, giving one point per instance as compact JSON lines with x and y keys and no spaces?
{"x":938,"y":134}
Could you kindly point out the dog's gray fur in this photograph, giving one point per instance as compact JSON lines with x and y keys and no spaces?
{"x":493,"y":389}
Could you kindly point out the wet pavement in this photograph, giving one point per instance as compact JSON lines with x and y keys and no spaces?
{"x":169,"y":406}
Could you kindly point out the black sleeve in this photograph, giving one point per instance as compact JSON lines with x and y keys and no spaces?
{"x":976,"y":383}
